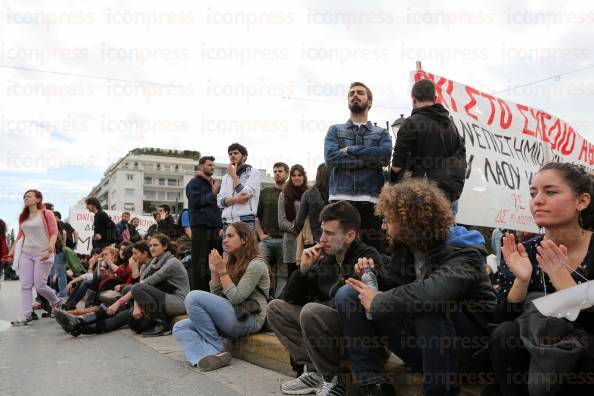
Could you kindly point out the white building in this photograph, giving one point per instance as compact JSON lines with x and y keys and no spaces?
{"x":148,"y":177}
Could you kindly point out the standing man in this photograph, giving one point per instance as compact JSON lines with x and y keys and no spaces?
{"x":205,"y":220}
{"x":428,"y":141}
{"x":356,"y":152}
{"x":102,"y":224}
{"x":269,"y":233}
{"x":240,"y":189}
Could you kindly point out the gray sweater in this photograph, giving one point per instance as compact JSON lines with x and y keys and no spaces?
{"x":170,"y":270}
{"x":256,"y":274}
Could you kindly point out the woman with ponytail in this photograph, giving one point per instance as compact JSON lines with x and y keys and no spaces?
{"x":561,"y":197}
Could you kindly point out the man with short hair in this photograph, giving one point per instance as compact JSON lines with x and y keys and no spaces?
{"x":240,"y":189}
{"x":269,"y":233}
{"x":123,"y":227}
{"x":356,"y":152}
{"x":205,"y":220}
{"x":165,"y":222}
{"x":308,"y":314}
{"x":102,"y":236}
{"x":429,"y":145}
{"x":134,"y":234}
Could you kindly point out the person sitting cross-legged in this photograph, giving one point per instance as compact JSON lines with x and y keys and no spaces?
{"x":236,"y":305}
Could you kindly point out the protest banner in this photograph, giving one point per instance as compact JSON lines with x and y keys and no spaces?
{"x":506,"y":144}
{"x":82,"y":221}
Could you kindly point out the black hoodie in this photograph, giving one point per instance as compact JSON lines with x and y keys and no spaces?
{"x":428,"y":144}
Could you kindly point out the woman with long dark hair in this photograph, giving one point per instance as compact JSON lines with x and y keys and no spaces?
{"x":288,"y":207}
{"x":561,"y":203}
{"x":236,"y":305}
{"x":38,"y":231}
{"x":312,"y":203}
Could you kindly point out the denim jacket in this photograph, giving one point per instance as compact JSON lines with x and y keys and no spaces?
{"x":359,"y":170}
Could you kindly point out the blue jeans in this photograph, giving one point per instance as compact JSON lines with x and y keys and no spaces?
{"x":272,"y":251}
{"x":59,"y":270}
{"x":208,"y":315}
{"x":79,"y":292}
{"x":428,"y":343}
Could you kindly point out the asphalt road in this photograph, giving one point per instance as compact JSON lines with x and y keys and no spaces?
{"x":41,"y":359}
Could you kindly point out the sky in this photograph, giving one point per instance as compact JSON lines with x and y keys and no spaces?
{"x":83,"y":83}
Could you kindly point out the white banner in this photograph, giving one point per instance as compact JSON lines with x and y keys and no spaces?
{"x":82,"y":221}
{"x":506,"y":144}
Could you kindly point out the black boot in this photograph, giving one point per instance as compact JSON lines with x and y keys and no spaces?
{"x":75,"y":325}
{"x":160,"y":328}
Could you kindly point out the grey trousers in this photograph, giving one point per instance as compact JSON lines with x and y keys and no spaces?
{"x":312,"y":334}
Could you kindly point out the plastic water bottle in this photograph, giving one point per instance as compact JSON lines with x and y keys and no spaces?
{"x":370,"y":280}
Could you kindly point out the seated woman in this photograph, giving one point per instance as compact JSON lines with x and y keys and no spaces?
{"x":561,"y":203}
{"x":236,"y":306}
{"x":90,"y":280}
{"x":149,"y":304}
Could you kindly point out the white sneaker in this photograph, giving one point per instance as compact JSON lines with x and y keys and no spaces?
{"x":308,"y":382}
{"x":333,"y":388}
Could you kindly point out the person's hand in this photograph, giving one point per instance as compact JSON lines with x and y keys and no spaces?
{"x":137,"y":312}
{"x":133,"y":264}
{"x":366,"y":293}
{"x":216,"y":186}
{"x":552,"y":258}
{"x":117,"y":288}
{"x":69,"y":287}
{"x":263,"y":236}
{"x":344,"y":150}
{"x":97,"y":237}
{"x":361,"y":264}
{"x":310,"y":256}
{"x":113,"y":308}
{"x":232,"y":170}
{"x":69,"y":273}
{"x":242,"y":197}
{"x":516,"y":258}
{"x":45,"y":256}
{"x":215,"y":262}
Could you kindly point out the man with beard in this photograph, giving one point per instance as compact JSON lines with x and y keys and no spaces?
{"x":240,"y":189}
{"x":205,"y":220}
{"x":356,"y":152}
{"x":308,"y":314}
{"x":269,"y":233}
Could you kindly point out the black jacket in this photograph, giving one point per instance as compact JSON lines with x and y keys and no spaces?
{"x":428,"y":144}
{"x":320,"y":283}
{"x":202,"y":203}
{"x":454,"y":278}
{"x":168,"y":227}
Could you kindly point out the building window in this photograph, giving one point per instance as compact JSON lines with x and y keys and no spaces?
{"x":136,"y":165}
{"x":172,"y":182}
{"x":161,"y":195}
{"x":158,"y":166}
{"x":172,"y":196}
{"x":161,"y":181}
{"x":149,"y":195}
{"x":129,"y":206}
{"x":129,"y":176}
{"x":130,"y":192}
{"x":148,"y":180}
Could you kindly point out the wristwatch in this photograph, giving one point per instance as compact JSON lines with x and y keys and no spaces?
{"x":222,"y":273}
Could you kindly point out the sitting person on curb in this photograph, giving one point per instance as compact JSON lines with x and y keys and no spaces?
{"x":561,"y":202}
{"x":236,"y":305}
{"x":428,"y":319}
{"x":309,"y":300}
{"x":77,"y":288}
{"x":148,"y":305}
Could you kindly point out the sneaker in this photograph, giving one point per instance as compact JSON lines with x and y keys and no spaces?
{"x":306,"y":383}
{"x":334,"y":388}
{"x":214,"y":362}
{"x":34,"y":316}
{"x":22,"y":321}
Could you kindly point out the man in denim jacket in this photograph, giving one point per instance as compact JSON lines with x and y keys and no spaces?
{"x":356,"y":152}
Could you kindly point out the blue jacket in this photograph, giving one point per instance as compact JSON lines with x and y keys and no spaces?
{"x":359,"y":170}
{"x":202,"y":203}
